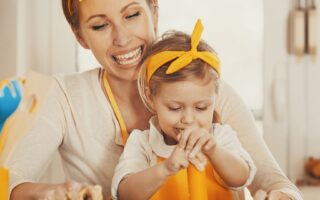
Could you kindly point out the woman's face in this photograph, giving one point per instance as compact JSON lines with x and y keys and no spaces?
{"x":118,"y":32}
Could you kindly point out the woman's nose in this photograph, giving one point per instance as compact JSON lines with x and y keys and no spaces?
{"x":122,"y":36}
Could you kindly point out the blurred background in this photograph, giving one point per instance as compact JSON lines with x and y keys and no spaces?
{"x":269,"y":52}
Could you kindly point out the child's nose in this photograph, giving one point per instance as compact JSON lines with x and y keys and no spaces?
{"x":187,"y":117}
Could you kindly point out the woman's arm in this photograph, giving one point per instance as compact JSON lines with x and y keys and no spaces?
{"x":34,"y":137}
{"x":269,"y":176}
{"x":67,"y":190}
{"x":27,"y":191}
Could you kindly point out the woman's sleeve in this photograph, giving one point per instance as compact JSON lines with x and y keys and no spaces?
{"x":133,"y":159}
{"x":269,"y":176}
{"x":31,"y":154}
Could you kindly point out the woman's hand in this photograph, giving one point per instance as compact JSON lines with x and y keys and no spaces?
{"x":71,"y":190}
{"x":273,"y":195}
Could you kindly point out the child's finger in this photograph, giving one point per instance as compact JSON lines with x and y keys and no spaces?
{"x":202,"y":158}
{"x":209,"y":145}
{"x":199,"y":161}
{"x":199,"y":145}
{"x":196,"y":162}
{"x":184,"y":137}
{"x":192,"y":140}
{"x":184,"y":164}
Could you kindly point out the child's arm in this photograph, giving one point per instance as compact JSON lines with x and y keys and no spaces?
{"x":232,"y":163}
{"x":144,"y":184}
{"x":231,"y":168}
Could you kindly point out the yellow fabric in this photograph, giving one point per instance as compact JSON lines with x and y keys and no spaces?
{"x":3,"y":83}
{"x":3,"y":137}
{"x":4,"y":190}
{"x":183,"y":57}
{"x":4,"y":173}
{"x":115,"y":107}
{"x":191,"y":184}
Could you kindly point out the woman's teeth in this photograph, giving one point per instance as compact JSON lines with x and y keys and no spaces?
{"x":129,"y":58}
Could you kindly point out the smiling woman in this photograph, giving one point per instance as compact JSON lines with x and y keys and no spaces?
{"x":117,"y":41}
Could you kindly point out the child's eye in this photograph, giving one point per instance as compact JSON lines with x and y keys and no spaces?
{"x":136,"y":14}
{"x":99,"y":27}
{"x":174,"y":108}
{"x":201,"y":108}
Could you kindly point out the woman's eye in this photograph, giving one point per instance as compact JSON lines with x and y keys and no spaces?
{"x":133,"y":15}
{"x":99,"y":27}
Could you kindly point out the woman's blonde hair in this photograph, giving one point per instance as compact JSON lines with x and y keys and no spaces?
{"x":197,"y":69}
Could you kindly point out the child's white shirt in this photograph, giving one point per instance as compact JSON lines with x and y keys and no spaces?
{"x":143,"y":147}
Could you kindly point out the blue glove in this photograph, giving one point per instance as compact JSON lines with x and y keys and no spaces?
{"x":10,"y":97}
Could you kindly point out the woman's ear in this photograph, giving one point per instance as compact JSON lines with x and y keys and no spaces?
{"x":80,"y":39}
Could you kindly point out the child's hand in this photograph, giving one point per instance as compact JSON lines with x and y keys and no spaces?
{"x":196,"y":140}
{"x":178,"y":160}
{"x":199,"y":161}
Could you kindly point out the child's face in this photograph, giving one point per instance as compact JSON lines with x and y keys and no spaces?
{"x":183,"y":104}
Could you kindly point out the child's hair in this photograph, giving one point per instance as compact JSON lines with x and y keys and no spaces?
{"x":197,"y":69}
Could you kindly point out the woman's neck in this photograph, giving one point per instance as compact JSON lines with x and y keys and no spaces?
{"x":124,"y":90}
{"x":126,"y":94}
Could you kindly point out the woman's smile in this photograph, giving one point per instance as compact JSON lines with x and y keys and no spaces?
{"x":129,"y":58}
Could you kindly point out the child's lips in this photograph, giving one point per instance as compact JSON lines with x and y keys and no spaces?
{"x":179,"y":130}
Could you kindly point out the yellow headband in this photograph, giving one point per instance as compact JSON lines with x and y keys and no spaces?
{"x":184,"y":57}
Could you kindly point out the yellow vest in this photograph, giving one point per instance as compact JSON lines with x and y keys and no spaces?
{"x":191,"y":184}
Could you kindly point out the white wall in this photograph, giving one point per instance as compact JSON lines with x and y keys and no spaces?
{"x":292,"y":97}
{"x":8,"y":50}
{"x":275,"y":84}
{"x":234,"y":29}
{"x":35,"y":37}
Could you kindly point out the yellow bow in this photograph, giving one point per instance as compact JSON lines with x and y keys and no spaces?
{"x":184,"y":57}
